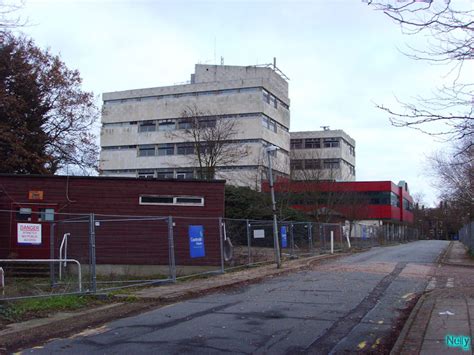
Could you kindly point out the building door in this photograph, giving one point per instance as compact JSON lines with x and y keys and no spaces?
{"x":30,"y":231}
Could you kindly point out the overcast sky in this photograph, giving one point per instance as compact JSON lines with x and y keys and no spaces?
{"x":342,"y":58}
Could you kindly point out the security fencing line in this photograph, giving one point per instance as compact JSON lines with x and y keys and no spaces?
{"x":466,"y":235}
{"x":118,"y":243}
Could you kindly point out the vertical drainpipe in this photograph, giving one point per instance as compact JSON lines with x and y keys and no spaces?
{"x":400,"y":191}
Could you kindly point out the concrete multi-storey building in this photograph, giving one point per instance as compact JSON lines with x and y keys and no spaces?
{"x":143,"y":130}
{"x":322,"y":155}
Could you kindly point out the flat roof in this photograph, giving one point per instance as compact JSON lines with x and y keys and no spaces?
{"x":110,"y":178}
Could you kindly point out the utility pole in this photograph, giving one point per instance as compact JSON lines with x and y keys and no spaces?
{"x":276,"y":244}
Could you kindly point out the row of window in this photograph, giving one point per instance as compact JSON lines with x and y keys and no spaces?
{"x":171,"y":125}
{"x":268,"y":97}
{"x":44,"y":214}
{"x":342,"y":198}
{"x":273,"y":100}
{"x":351,"y":167}
{"x":311,"y":143}
{"x":165,"y":125}
{"x":182,"y":173}
{"x":314,"y":164}
{"x":184,"y":148}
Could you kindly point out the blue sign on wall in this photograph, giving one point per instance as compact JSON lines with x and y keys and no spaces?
{"x":284,"y":240}
{"x":196,"y":242}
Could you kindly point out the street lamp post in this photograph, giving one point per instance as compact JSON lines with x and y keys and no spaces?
{"x":276,"y":243}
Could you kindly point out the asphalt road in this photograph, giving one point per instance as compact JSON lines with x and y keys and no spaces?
{"x":346,"y":305}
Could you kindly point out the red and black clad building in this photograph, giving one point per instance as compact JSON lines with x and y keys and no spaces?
{"x":369,"y":200}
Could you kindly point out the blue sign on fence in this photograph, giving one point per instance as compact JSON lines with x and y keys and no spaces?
{"x":284,"y":240}
{"x":196,"y":242}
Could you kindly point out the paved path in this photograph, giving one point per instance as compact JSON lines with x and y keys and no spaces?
{"x":446,"y":309}
{"x":349,"y":304}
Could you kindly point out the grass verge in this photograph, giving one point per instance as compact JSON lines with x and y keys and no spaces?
{"x":21,"y":310}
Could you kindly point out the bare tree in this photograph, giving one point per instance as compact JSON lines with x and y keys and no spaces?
{"x":8,"y":18}
{"x":320,"y":195}
{"x":449,"y":27}
{"x":213,"y":140}
{"x":455,"y":176}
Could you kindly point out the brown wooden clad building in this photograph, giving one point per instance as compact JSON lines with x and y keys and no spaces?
{"x":131,"y":218}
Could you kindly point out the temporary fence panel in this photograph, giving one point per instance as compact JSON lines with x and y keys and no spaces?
{"x":198,"y":245}
{"x":131,"y":250}
{"x":238,"y":243}
{"x":466,"y":235}
{"x":301,"y":239}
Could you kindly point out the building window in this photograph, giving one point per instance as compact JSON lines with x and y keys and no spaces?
{"x":296,"y":164}
{"x":296,"y":143}
{"x":266,"y":96}
{"x":269,"y":123}
{"x":164,"y":174}
{"x":312,"y":164}
{"x":352,"y":169}
{"x":331,"y":142}
{"x":352,"y":150}
{"x":185,"y":124}
{"x":167,"y":125}
{"x":184,"y":174}
{"x":171,"y":200}
{"x":146,"y":150}
{"x":166,"y":149}
{"x":185,"y":148}
{"x":146,"y":174}
{"x":394,"y":199}
{"x":274,"y":101}
{"x":207,"y":122}
{"x":312,"y":143}
{"x":23,"y":214}
{"x":331,"y":164}
{"x":46,"y":214}
{"x":147,"y":126}
{"x":190,"y":200}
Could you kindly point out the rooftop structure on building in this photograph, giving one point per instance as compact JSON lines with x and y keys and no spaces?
{"x":322,"y":155}
{"x":144,"y":131}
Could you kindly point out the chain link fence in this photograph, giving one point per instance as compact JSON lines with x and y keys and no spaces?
{"x":466,"y":234}
{"x":44,"y":253}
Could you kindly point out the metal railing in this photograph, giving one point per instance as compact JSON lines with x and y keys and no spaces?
{"x":49,"y":261}
{"x":63,"y":249}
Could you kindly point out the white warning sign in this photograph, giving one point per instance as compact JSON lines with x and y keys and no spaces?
{"x":29,"y":233}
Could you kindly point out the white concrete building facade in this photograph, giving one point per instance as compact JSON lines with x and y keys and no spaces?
{"x":143,"y":131}
{"x":322,"y":155}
